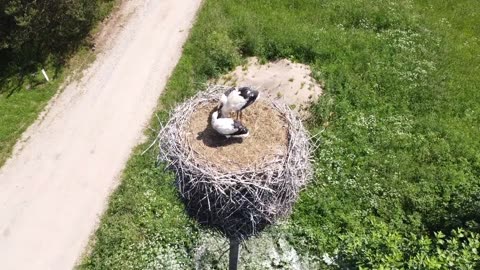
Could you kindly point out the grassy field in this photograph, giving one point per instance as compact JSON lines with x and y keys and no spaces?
{"x":397,"y":174}
{"x":23,"y":95}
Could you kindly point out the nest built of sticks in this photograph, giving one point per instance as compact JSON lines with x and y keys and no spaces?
{"x":237,"y":186}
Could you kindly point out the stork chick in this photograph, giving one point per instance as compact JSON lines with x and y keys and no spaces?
{"x":228,"y":126}
{"x":236,"y":100}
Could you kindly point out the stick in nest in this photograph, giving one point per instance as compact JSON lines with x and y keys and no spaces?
{"x":238,"y":203}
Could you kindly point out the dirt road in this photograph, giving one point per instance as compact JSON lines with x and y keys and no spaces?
{"x":55,"y":187}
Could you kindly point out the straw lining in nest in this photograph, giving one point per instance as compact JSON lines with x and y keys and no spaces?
{"x":268,"y":138}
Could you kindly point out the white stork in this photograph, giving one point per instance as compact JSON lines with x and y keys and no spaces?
{"x":235,"y":100}
{"x":228,"y":126}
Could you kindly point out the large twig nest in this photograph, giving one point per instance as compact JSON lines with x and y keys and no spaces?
{"x":237,"y":186}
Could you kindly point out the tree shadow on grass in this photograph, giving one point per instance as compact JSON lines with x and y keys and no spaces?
{"x":23,"y":70}
{"x":13,"y":78}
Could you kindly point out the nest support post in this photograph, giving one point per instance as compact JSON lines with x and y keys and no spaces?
{"x":234,"y":254}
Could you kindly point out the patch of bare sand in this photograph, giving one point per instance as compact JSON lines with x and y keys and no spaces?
{"x":282,"y":80}
{"x":268,"y":137}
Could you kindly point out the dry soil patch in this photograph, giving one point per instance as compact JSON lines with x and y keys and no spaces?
{"x":281,"y":80}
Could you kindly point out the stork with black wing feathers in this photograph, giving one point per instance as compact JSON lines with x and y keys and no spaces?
{"x":236,"y":100}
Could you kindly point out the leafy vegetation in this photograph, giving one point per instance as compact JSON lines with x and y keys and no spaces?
{"x":33,"y":31}
{"x":381,"y":248}
{"x":37,"y":35}
{"x":397,"y":174}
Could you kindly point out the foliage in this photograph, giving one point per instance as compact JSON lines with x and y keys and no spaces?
{"x":379,"y":248}
{"x":398,"y":126}
{"x":221,"y":54}
{"x":37,"y":35}
{"x":31,"y":31}
{"x":268,"y":251}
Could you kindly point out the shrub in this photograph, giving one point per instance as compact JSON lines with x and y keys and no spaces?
{"x":220,"y":54}
{"x":378,"y":247}
{"x":31,"y":31}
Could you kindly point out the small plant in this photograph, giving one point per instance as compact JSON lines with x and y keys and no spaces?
{"x":380,"y":248}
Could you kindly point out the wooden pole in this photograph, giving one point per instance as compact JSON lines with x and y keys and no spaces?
{"x":234,"y":254}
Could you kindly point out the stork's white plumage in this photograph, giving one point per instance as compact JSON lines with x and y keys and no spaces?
{"x":228,"y":126}
{"x":236,"y":100}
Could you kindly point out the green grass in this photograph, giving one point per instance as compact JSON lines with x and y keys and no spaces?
{"x":398,"y":170}
{"x":23,"y":95}
{"x":21,"y":108}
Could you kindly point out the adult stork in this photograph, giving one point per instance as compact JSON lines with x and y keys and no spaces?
{"x":236,"y":100}
{"x":228,"y":126}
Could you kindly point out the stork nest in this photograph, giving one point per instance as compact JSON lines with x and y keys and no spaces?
{"x":237,"y":186}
